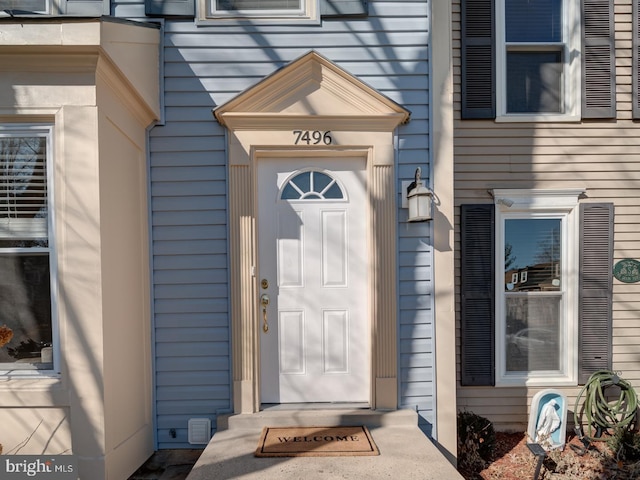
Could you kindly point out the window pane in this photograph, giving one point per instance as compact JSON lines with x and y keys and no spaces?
{"x":532,"y":255}
{"x":534,"y":82}
{"x":23,"y":5}
{"x":303,"y":181}
{"x":20,"y":243}
{"x":290,"y":193}
{"x":533,"y":333}
{"x":23,"y":187}
{"x":237,"y":5}
{"x":320,"y":181}
{"x":326,"y":186}
{"x":333,"y":192}
{"x":533,"y":20}
{"x":25,"y":310}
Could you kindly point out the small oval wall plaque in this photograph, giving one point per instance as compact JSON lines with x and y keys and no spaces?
{"x":627,"y":270}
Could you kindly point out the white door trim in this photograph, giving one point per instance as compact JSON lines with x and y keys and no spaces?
{"x":245,"y":311}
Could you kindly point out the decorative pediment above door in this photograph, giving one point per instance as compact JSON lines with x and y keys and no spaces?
{"x":312,"y":86}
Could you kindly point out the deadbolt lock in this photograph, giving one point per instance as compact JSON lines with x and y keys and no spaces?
{"x":264,"y":283}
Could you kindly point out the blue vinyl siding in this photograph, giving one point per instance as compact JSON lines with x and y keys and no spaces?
{"x":416,"y":320}
{"x":205,"y":66}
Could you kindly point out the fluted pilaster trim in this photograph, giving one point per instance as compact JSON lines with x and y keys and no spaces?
{"x":383,"y":272}
{"x":241,"y":231}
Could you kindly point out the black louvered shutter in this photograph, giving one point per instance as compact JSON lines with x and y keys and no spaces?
{"x":478,"y":59}
{"x":595,"y":289}
{"x":598,"y":60}
{"x":477,"y":309}
{"x":636,"y":60}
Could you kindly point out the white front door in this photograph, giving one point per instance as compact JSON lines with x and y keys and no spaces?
{"x":313,"y":266}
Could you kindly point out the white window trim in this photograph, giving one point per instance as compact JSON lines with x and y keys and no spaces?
{"x":572,"y":69}
{"x":206,"y":14}
{"x":543,"y":204}
{"x":44,"y":130}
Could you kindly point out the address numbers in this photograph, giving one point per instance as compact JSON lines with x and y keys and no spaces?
{"x":312,"y":137}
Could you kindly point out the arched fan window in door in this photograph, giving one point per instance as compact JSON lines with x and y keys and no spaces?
{"x":311,"y":185}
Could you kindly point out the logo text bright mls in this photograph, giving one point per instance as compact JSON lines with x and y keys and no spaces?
{"x":57,"y":467}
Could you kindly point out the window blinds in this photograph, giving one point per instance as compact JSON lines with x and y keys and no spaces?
{"x":23,"y":187}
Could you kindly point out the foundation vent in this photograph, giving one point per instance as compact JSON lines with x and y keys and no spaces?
{"x":199,"y":430}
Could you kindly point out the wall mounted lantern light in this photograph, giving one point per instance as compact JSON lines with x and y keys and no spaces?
{"x":419,"y":200}
{"x":507,"y":202}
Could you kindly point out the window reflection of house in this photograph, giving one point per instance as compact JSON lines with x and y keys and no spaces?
{"x":541,"y":277}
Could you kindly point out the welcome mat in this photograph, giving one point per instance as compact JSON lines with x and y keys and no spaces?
{"x":315,"y":442}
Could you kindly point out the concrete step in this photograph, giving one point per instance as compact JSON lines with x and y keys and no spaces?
{"x":319,"y":418}
{"x":405,"y":451}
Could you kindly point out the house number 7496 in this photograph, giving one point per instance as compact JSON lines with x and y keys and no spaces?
{"x":312,"y":137}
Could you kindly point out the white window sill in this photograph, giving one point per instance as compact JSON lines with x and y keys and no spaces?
{"x":8,"y":375}
{"x":537,"y":118}
{"x":550,"y":381}
{"x":254,"y":21}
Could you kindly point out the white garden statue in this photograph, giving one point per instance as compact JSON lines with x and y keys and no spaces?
{"x":548,"y":421}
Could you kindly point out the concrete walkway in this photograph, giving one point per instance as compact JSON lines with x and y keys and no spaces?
{"x":405,"y":452}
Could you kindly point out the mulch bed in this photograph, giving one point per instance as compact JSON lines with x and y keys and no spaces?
{"x":512,"y":460}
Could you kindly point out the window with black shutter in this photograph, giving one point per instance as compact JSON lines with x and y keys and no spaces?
{"x":519,"y":57}
{"x":518,"y":294}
